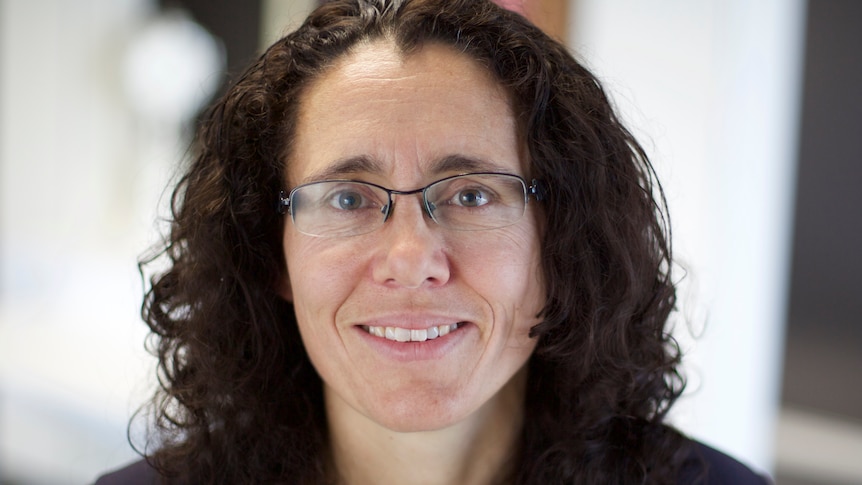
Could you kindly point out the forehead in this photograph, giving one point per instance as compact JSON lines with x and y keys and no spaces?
{"x":400,"y":113}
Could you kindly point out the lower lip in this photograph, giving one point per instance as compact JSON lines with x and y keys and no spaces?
{"x":416,"y":351}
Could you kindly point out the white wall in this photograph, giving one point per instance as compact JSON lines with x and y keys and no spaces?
{"x":711,"y":88}
{"x":83,"y":168}
{"x":75,"y":212}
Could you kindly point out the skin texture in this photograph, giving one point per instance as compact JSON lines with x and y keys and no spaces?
{"x":404,"y":122}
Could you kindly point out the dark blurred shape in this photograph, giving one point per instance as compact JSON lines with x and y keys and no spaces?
{"x":237,"y":24}
{"x":823,"y":357}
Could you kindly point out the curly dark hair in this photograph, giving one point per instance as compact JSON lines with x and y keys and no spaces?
{"x":239,"y":401}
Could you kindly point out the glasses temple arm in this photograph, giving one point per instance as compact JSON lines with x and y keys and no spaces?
{"x":283,"y":203}
{"x":537,"y":190}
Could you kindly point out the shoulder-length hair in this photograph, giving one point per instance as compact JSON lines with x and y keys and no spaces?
{"x":239,"y":401}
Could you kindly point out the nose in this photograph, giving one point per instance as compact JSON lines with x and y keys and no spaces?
{"x":412,"y":252}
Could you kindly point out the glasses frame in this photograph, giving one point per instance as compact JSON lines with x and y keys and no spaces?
{"x":535,"y":189}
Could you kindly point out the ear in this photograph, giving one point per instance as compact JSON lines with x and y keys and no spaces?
{"x":283,"y":288}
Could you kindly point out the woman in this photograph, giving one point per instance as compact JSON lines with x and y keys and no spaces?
{"x":415,"y":245}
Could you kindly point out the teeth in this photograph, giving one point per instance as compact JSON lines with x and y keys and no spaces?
{"x":399,"y":334}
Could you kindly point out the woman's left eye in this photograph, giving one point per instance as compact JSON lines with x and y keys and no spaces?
{"x":471,"y":198}
{"x":349,"y":200}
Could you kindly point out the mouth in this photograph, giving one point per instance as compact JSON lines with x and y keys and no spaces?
{"x":399,"y":334}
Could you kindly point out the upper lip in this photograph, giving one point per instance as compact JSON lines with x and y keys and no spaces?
{"x":411,"y":321}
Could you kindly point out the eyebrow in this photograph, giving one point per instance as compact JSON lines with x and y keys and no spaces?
{"x":462,"y":164}
{"x":365,"y":165}
{"x":344,"y":167}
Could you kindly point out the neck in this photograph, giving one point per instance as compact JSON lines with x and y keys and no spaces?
{"x":473,"y":451}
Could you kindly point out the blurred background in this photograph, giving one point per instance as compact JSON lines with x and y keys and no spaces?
{"x":749,"y":110}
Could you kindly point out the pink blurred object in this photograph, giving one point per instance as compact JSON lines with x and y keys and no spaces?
{"x":513,"y":5}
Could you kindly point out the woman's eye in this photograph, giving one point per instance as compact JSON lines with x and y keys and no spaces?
{"x":471,"y":198}
{"x":347,"y":200}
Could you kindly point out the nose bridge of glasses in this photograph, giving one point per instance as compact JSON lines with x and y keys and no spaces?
{"x":423,"y":202}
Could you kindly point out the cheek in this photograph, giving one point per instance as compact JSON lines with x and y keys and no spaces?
{"x":506,"y":271}
{"x":320,"y":276}
{"x":321,"y":279}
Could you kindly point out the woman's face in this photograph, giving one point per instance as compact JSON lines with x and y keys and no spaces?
{"x":404,"y":122}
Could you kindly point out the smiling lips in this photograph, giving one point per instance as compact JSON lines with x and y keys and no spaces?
{"x":398,"y":334}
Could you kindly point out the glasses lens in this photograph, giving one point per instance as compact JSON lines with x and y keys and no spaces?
{"x":334,"y":208}
{"x":477,"y":202}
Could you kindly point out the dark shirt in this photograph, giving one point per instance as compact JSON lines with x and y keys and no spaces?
{"x":138,"y":473}
{"x":720,"y":470}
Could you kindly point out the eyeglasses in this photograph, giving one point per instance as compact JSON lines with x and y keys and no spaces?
{"x":468,"y":202}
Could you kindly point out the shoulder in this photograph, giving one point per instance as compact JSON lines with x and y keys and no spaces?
{"x":138,"y":473}
{"x":708,"y":466}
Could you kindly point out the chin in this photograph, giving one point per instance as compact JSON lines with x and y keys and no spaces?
{"x":420,"y":415}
